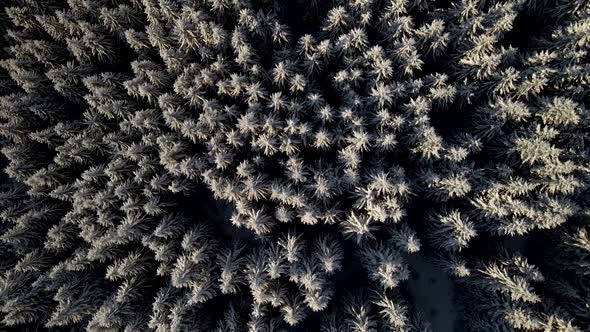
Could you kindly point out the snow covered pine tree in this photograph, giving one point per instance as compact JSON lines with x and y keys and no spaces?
{"x":239,"y":165}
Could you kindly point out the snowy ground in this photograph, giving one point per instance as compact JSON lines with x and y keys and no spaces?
{"x":432,"y":291}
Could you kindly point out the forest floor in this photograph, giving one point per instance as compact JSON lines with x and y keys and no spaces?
{"x":432,"y":290}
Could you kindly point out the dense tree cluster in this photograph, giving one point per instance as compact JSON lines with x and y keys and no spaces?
{"x":343,"y":136}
